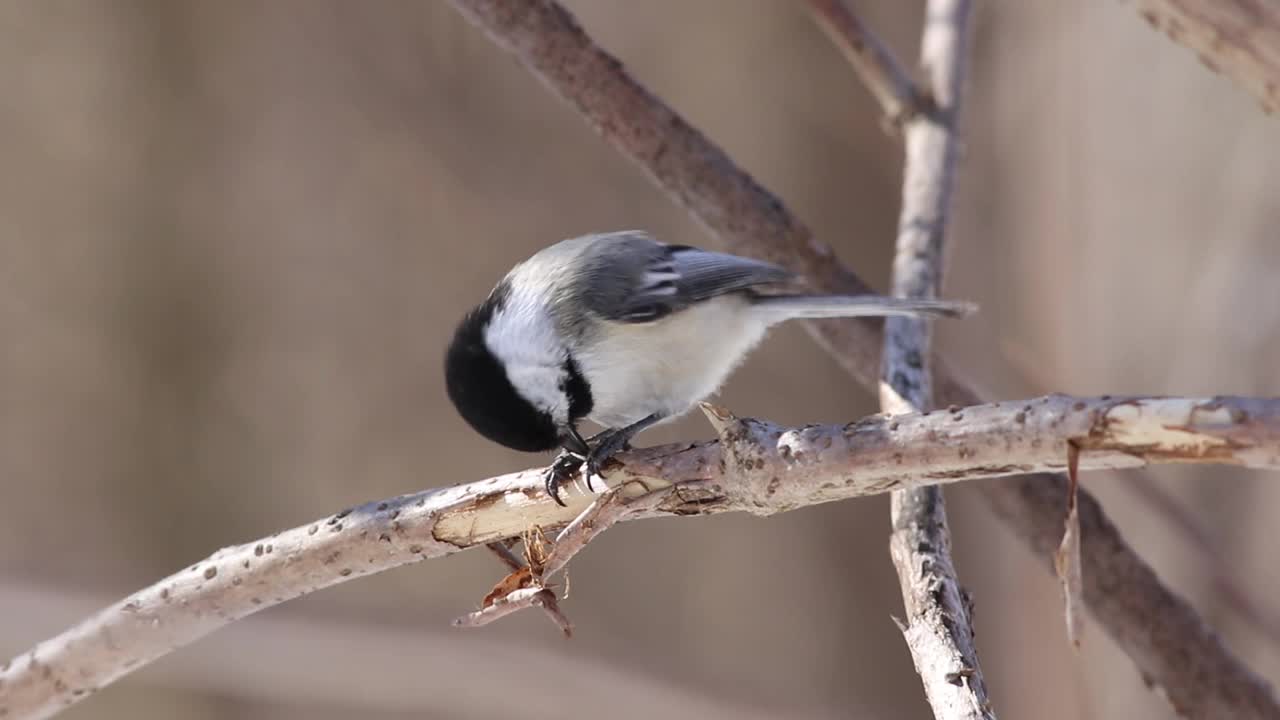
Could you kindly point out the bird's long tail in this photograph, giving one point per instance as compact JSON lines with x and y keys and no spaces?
{"x":786,"y":307}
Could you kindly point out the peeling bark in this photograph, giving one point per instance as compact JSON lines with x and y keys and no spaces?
{"x":756,"y":467}
{"x":747,"y":219}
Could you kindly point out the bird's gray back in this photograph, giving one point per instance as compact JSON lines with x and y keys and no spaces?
{"x":628,"y":276}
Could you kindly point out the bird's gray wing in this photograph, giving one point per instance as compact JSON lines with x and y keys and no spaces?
{"x":630,"y":277}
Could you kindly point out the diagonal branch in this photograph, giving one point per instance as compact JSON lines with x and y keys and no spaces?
{"x":1168,"y":641}
{"x":392,"y":669}
{"x":1239,"y":38}
{"x":756,"y":467}
{"x":1234,"y":593}
{"x":938,"y":626}
{"x":879,"y":70}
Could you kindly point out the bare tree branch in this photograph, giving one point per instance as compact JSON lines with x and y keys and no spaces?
{"x":528,"y":587}
{"x":1157,"y":499}
{"x":756,"y":467}
{"x":608,"y":509}
{"x":938,"y":626}
{"x":517,"y":600}
{"x":400,"y":669}
{"x":879,"y":70}
{"x":1239,"y":38}
{"x":505,"y":556}
{"x":1233,"y":592}
{"x":1171,"y":645}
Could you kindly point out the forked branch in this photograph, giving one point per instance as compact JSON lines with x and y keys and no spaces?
{"x":1171,"y":645}
{"x":938,"y":626}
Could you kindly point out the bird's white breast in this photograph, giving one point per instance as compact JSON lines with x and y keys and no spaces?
{"x":667,"y":366}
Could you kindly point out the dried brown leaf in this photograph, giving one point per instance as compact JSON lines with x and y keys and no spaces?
{"x":1066,"y":560}
{"x":517,"y":580}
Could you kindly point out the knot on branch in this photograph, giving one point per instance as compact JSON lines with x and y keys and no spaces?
{"x":763,"y":462}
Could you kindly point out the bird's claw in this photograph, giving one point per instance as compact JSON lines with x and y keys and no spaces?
{"x":590,"y":469}
{"x":599,"y":450}
{"x":567,"y":463}
{"x":563,"y":468}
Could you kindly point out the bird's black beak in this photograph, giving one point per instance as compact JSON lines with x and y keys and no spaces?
{"x":573,"y":442}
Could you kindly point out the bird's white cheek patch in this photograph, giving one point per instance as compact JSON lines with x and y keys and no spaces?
{"x":524,"y":339}
{"x":542,"y":386}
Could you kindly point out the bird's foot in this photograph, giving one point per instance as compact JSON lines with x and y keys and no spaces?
{"x":607,"y":444}
{"x":562,"y":469}
{"x":590,"y":456}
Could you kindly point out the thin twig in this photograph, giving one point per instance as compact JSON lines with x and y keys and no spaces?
{"x":608,"y":509}
{"x":1239,"y":38}
{"x":523,"y":576}
{"x":1173,"y":648}
{"x":939,"y":626}
{"x":532,"y":590}
{"x":505,"y":556}
{"x":756,"y":467}
{"x":516,"y":600}
{"x":878,"y":68}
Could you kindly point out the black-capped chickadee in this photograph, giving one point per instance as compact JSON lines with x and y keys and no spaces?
{"x":625,"y":331}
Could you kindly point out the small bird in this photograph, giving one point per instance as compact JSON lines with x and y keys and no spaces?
{"x":625,"y":331}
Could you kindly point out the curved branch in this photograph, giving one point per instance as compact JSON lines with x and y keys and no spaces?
{"x":1239,"y":38}
{"x":1168,"y":641}
{"x":391,"y":669}
{"x":755,"y":467}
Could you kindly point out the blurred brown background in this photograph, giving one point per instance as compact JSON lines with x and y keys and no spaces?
{"x":235,"y":237}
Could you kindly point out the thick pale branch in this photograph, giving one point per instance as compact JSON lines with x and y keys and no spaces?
{"x":405,"y":669}
{"x":879,"y":70}
{"x":1161,"y":632}
{"x":1239,"y":38}
{"x":757,"y":467}
{"x":939,"y":624}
